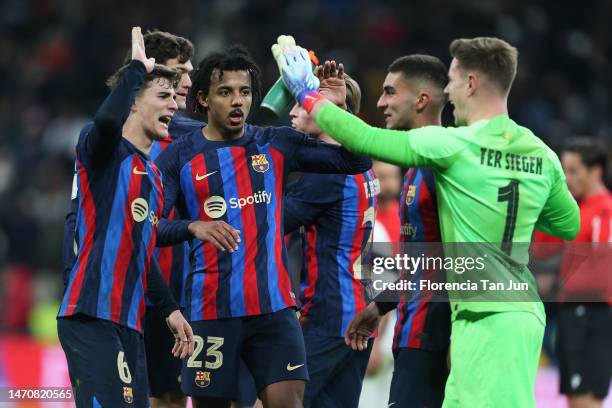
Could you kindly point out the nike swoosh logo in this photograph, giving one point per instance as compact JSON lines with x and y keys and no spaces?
{"x":291,"y":368}
{"x":391,"y":404}
{"x":199,"y":178}
{"x":136,"y":171}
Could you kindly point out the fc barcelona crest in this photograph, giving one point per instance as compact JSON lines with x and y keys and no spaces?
{"x":128,"y":396}
{"x":202,"y":379}
{"x":260,"y":163}
{"x":410,"y":194}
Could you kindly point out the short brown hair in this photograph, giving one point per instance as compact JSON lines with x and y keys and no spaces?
{"x":160,"y":45}
{"x":493,"y":57}
{"x":159,"y":71}
{"x":353,"y":94}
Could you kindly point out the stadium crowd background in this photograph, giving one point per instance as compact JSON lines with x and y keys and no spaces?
{"x":56,"y":54}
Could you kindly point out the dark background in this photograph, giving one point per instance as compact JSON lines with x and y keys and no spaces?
{"x":56,"y":54}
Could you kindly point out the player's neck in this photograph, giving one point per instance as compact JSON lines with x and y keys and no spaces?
{"x":134,"y":133}
{"x":594,"y":189}
{"x":216,"y":134}
{"x":487,"y":109}
{"x":425,"y":120}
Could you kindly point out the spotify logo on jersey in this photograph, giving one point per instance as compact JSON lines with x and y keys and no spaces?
{"x":140,"y":208}
{"x":215,"y":206}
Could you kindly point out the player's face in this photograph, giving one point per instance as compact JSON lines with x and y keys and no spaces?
{"x":302,"y":121}
{"x":397,"y":102}
{"x":155,"y":107}
{"x":229,"y":100}
{"x":456,"y":91}
{"x":576,"y":174}
{"x":185,"y":83}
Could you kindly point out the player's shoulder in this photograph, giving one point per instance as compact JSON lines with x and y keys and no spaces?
{"x":279,"y":134}
{"x":84,"y":132}
{"x":604,"y":203}
{"x":182,"y":145}
{"x":316,"y":187}
{"x":182,"y":125}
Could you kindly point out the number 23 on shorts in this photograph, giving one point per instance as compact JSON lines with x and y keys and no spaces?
{"x":212,"y":351}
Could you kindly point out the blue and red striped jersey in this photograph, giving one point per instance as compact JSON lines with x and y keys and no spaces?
{"x":338,"y":213}
{"x":120,"y":199}
{"x":420,"y":324}
{"x":242,"y":183}
{"x":174,"y":260}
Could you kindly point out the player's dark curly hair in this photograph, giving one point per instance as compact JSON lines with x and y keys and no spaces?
{"x":233,"y":58}
{"x":160,"y":45}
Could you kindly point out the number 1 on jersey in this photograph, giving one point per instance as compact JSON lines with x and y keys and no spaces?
{"x":509,"y":193}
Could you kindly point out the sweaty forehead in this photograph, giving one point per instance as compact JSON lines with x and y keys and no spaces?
{"x":230,"y":78}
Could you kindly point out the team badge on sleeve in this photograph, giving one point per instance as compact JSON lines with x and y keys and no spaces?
{"x":202,"y":379}
{"x":128,"y":396}
{"x":260,"y":163}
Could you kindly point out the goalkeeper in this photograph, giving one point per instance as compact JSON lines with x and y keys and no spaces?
{"x":496,"y":182}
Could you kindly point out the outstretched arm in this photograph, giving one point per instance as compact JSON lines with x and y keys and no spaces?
{"x":406,"y":149}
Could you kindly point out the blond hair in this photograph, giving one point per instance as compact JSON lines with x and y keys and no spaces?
{"x":353,"y":94}
{"x":491,"y":56}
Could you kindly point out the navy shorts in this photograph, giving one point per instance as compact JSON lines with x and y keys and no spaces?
{"x":163,"y":368}
{"x":271,"y":346}
{"x":247,"y":392}
{"x":336,"y":372}
{"x":583,"y":343}
{"x":106,"y":362}
{"x":419,"y":378}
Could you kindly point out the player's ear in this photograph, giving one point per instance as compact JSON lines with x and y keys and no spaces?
{"x":472,"y":83}
{"x":202,"y":99}
{"x":422,"y":101}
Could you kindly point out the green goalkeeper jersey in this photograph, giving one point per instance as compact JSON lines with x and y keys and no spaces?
{"x":495,"y":182}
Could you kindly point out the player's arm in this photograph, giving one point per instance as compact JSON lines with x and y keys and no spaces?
{"x":68,"y":253}
{"x":304,"y":204}
{"x":110,"y":117}
{"x":424,"y":147}
{"x":560,"y":216}
{"x":158,"y":292}
{"x":314,"y":156}
{"x":160,"y":296}
{"x":175,"y":231}
{"x":406,"y":149}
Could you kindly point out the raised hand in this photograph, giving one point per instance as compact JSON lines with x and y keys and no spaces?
{"x":295,"y":67}
{"x":332,"y":85}
{"x":138,"y":50}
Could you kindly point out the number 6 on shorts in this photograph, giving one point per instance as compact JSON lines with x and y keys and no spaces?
{"x":122,"y":367}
